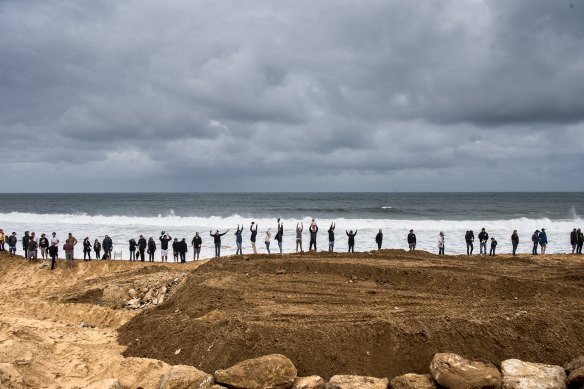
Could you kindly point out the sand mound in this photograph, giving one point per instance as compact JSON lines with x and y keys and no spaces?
{"x":379,"y":314}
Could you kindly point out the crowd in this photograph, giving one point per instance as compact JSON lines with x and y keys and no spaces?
{"x":49,"y":247}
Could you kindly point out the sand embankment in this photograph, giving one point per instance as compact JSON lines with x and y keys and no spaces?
{"x":380,"y":314}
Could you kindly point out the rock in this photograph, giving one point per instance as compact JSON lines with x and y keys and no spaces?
{"x":132,"y":293}
{"x":356,"y":382}
{"x":456,"y":372}
{"x":10,"y":378}
{"x":147,"y":297}
{"x":218,"y":387}
{"x":155,"y":301}
{"x":186,"y":377}
{"x":140,"y":372}
{"x":413,"y":381}
{"x":523,"y":375}
{"x":281,"y":271}
{"x":144,"y":289}
{"x":311,"y":382}
{"x":110,"y":383}
{"x":133,"y":303}
{"x":574,"y":364}
{"x":86,"y":325}
{"x":268,"y":372}
{"x":576,"y":378}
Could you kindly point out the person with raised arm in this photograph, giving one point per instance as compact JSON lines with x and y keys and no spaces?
{"x":313,"y":232}
{"x":164,"y":239}
{"x":239,"y":240}
{"x":331,"y":237}
{"x":217,"y":240}
{"x":299,"y":229}
{"x":351,"y":240}
{"x":280,"y":234}
{"x":254,"y":232}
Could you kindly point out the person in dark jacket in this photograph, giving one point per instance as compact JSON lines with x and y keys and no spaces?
{"x":32,"y":247}
{"x":331,"y":236}
{"x":175,"y":249}
{"x":86,"y":249}
{"x":217,"y":241}
{"x":97,"y":249}
{"x":279,"y":235}
{"x":580,"y":241}
{"x":12,"y":242}
{"x":239,"y":240}
{"x":542,"y":238}
{"x":483,"y":239}
{"x":351,"y":240}
{"x":514,"y":241}
{"x":379,"y":239}
{"x":412,"y":240}
{"x":142,"y":245}
{"x":53,"y":252}
{"x":574,"y":240}
{"x":107,"y":246}
{"x":151,"y":249}
{"x":182,"y":250}
{"x":132,"y":246}
{"x":164,"y":239}
{"x":313,"y":231}
{"x":197,"y":242}
{"x":535,"y":241}
{"x":25,"y":240}
{"x":44,"y":246}
{"x":493,"y":247}
{"x":254,"y":233}
{"x":469,"y":239}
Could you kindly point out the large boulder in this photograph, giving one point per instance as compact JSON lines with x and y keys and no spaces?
{"x":576,"y":378}
{"x":186,"y":377}
{"x":110,"y":383}
{"x":455,"y":372}
{"x":10,"y":378}
{"x":268,"y":372}
{"x":574,"y":364}
{"x":311,"y":382}
{"x":413,"y":381}
{"x":140,"y":372}
{"x":525,"y":375}
{"x":356,"y":382}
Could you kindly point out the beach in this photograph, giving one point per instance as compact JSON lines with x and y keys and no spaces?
{"x":372,"y":313}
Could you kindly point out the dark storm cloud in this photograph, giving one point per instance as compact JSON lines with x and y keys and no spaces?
{"x":310,"y":95}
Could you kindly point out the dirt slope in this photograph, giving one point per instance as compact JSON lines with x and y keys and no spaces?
{"x":379,"y":314}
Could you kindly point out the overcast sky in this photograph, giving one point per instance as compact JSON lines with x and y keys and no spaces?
{"x":305,"y":95}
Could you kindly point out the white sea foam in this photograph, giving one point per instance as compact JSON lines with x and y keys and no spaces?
{"x":122,"y":228}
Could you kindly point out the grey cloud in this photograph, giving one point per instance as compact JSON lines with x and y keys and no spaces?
{"x":371,"y":96}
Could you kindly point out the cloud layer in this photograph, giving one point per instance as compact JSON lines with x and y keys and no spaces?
{"x":306,"y":95}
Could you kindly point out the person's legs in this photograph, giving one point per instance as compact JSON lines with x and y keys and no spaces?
{"x":514,"y":248}
{"x":53,"y":259}
{"x":280,"y":246}
{"x":534,"y":249}
{"x":268,"y":247}
{"x":542,"y":249}
{"x":253,"y":247}
{"x":331,"y":246}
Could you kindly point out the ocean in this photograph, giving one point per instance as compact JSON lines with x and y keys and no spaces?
{"x":126,"y":215}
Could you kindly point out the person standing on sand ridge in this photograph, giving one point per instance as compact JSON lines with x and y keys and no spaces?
{"x":351,"y":240}
{"x":197,"y":242}
{"x":164,"y":239}
{"x":412,"y":240}
{"x":331,"y":236}
{"x":217,"y":240}
{"x":280,"y":235}
{"x":441,"y":243}
{"x":239,"y":240}
{"x":313,"y":233}
{"x":535,"y":241}
{"x":379,"y":239}
{"x":254,"y":232}
{"x":299,"y":229}
{"x":514,"y":241}
{"x":483,"y":239}
{"x":574,"y":240}
{"x":268,"y":240}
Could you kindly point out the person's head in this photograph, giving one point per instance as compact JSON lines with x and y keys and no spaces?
{"x":252,"y":223}
{"x":70,"y":235}
{"x":576,"y":231}
{"x":380,"y":231}
{"x":42,"y":235}
{"x":543,"y":230}
{"x":441,"y":233}
{"x":536,"y":231}
{"x":411,"y":231}
{"x":32,"y":234}
{"x":216,"y":231}
{"x":141,"y":236}
{"x":96,"y":241}
{"x":25,"y":232}
{"x":483,"y":229}
{"x":493,"y":238}
{"x":196,"y":234}
{"x":514,"y":231}
{"x":350,"y":231}
{"x":54,"y":234}
{"x":175,"y":239}
{"x":183,"y":239}
{"x":13,"y":233}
